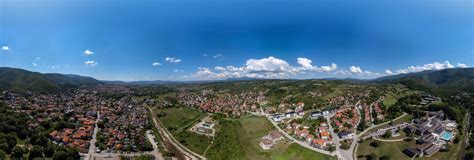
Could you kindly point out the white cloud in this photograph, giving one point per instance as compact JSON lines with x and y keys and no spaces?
{"x":178,"y":70}
{"x":305,"y":62}
{"x":219,"y":68}
{"x":389,"y":72}
{"x":331,"y":68}
{"x":88,"y":52}
{"x":269,"y":67}
{"x":270,"y":64}
{"x":307,"y":66}
{"x":5,"y":48}
{"x":156,"y":64}
{"x":218,"y":55}
{"x":205,"y":55}
{"x":172,"y":60}
{"x":355,"y":69}
{"x":462,"y":65}
{"x":91,"y":63}
{"x":429,"y":66}
{"x":38,"y":58}
{"x":34,"y":64}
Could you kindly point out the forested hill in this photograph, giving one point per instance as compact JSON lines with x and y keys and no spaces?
{"x":19,"y":80}
{"x":443,"y":82}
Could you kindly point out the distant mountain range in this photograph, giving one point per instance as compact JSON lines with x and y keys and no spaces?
{"x":20,"y":80}
{"x":443,"y":81}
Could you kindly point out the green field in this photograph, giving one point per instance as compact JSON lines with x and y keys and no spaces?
{"x":239,"y":139}
{"x":177,"y":120}
{"x":392,"y":98}
{"x":392,"y":149}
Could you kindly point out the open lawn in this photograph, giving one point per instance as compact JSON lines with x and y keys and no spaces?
{"x":392,"y":98}
{"x":177,"y":120}
{"x":243,"y":137}
{"x":392,"y":149}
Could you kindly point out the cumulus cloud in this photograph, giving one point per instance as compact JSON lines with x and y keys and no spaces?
{"x":270,"y":64}
{"x":88,"y":52}
{"x":156,"y":64}
{"x":34,"y":64}
{"x":462,"y":65}
{"x":355,"y":69}
{"x":91,"y":63}
{"x":178,"y":70}
{"x":429,"y":66}
{"x":389,"y":72}
{"x":172,"y":60}
{"x":270,"y":67}
{"x":5,"y":48}
{"x":306,"y":65}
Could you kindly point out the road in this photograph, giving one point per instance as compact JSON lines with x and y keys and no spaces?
{"x":92,"y":147}
{"x":344,"y":154}
{"x":382,"y":131}
{"x":354,"y":150}
{"x":166,"y":136}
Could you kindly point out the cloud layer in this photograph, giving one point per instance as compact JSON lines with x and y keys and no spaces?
{"x":269,"y":67}
{"x":272,"y":67}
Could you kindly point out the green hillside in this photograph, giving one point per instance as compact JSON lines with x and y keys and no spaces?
{"x":19,"y":80}
{"x":442,"y":82}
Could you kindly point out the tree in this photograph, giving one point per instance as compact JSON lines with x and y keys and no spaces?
{"x":49,"y":150}
{"x":3,"y":155}
{"x":375,"y":144}
{"x":36,"y":151}
{"x":332,"y":149}
{"x":456,"y":140}
{"x":60,"y":155}
{"x":74,"y":154}
{"x":372,"y":156}
{"x":100,"y":124}
{"x":387,"y":134}
{"x":17,"y":152}
{"x":470,"y":154}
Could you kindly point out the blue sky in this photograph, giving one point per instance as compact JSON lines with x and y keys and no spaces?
{"x":218,"y":39}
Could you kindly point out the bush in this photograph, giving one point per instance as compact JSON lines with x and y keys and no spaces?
{"x":372,"y":156}
{"x":375,"y":144}
{"x":17,"y":152}
{"x":36,"y":151}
